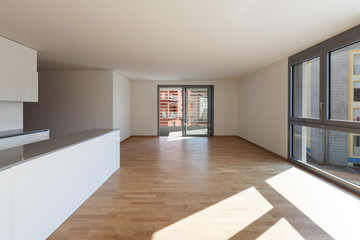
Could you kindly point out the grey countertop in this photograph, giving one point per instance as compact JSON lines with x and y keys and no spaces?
{"x":13,"y":156}
{"x":18,"y":132}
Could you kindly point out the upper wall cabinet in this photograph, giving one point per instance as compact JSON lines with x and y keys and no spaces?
{"x":15,"y":54}
{"x":18,"y":72}
{"x":8,"y":83}
{"x":27,"y":85}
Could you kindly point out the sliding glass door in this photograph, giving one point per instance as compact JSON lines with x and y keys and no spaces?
{"x":196,"y":112}
{"x":185,"y":111}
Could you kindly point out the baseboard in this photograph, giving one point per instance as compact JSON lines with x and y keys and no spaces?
{"x":125,"y":139}
{"x":144,"y":135}
{"x":167,"y":136}
{"x":225,"y":136}
{"x":131,"y":136}
{"x":269,"y":151}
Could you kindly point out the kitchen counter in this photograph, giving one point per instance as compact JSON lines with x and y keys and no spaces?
{"x":19,"y":132}
{"x":43,"y":183}
{"x":17,"y":155}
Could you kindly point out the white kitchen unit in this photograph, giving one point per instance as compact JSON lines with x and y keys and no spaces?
{"x":51,"y":179}
{"x":17,"y":54}
{"x":5,"y":204}
{"x":18,"y":72}
{"x":13,"y":141}
{"x":8,"y":82}
{"x":27,"y":85}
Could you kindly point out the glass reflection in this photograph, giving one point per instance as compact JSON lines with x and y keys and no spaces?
{"x":333,"y":151}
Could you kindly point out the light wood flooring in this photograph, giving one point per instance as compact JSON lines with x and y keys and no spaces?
{"x":194,"y":188}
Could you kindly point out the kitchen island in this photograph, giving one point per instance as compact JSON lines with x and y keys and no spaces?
{"x":43,"y":183}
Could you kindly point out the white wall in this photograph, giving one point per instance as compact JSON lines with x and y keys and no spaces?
{"x":11,"y":115}
{"x":72,"y":101}
{"x":76,"y":100}
{"x":121,"y":106}
{"x":263,"y":107}
{"x":144,"y":105}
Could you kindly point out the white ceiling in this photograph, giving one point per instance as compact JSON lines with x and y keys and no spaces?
{"x":172,"y":39}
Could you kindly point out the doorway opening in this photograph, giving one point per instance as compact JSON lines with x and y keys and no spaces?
{"x":185,"y":110}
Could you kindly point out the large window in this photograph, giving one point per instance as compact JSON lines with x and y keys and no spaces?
{"x":324,"y":109}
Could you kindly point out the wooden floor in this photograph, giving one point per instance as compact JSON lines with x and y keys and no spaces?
{"x":170,"y":188}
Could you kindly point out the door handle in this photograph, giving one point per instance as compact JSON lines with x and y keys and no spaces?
{"x":322,"y":104}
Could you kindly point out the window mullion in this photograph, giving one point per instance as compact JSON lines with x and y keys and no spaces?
{"x":324,"y":87}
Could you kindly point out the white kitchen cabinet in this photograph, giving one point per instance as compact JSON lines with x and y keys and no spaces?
{"x":27,"y":85}
{"x":18,"y":72}
{"x":5,"y":204}
{"x":46,"y":182}
{"x":18,"y":84}
{"x":48,"y":189}
{"x":15,"y":54}
{"x":8,"y":83}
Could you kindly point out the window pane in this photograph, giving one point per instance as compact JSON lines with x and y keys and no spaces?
{"x":356,"y":91}
{"x":332,"y":151}
{"x":356,"y":146}
{"x":306,"y":89}
{"x":356,"y":114}
{"x":345,"y":83}
{"x":357,"y":64}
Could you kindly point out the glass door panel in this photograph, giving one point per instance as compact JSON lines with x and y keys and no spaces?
{"x":170,"y":111}
{"x":196,"y":111}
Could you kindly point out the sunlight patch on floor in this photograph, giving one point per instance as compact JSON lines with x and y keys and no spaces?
{"x":281,"y":230}
{"x":176,"y":136}
{"x":335,"y":211}
{"x":220,"y":221}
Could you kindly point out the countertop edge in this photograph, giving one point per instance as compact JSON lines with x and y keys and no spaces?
{"x":22,"y":133}
{"x":56,"y":150}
